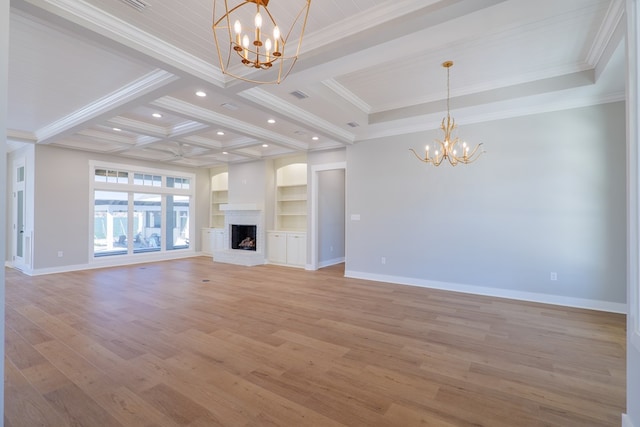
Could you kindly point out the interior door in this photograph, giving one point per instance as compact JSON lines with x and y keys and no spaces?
{"x":20,"y":241}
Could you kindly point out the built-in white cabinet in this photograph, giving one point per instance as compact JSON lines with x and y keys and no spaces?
{"x":287,"y":248}
{"x":217,"y":239}
{"x":297,"y":249}
{"x":277,"y":247}
{"x":207,"y":238}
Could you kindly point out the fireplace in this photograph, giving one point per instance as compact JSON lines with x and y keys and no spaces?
{"x":243,"y":237}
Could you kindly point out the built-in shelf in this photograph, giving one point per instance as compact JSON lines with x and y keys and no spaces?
{"x":291,"y":197}
{"x":219,"y":197}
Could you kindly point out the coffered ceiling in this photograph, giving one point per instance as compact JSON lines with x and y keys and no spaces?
{"x":90,"y":75}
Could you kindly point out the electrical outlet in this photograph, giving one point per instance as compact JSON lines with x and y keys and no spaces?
{"x":553,"y":276}
{"x":383,"y":260}
{"x":60,"y":254}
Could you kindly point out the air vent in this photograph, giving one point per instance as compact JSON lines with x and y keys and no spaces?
{"x":353,"y":124}
{"x":138,"y":5}
{"x":300,"y":132}
{"x":229,"y":106}
{"x":299,"y":94}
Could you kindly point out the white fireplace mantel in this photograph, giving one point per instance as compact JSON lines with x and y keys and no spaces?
{"x":242,"y":214}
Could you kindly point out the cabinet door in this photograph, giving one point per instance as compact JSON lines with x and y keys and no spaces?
{"x":218,"y":239}
{"x":277,"y":247}
{"x":206,"y":241}
{"x":296,"y":248}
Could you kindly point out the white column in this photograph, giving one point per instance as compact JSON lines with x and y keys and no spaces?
{"x":632,"y":417}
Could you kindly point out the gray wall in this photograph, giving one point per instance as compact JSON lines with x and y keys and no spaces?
{"x":633,"y":383}
{"x":331,"y":215}
{"x":549,"y":196}
{"x":63,"y":204}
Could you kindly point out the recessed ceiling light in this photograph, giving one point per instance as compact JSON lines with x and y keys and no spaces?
{"x":117,"y":129}
{"x":271,"y":121}
{"x":157,"y":115}
{"x":265,"y":145}
{"x":225,"y":152}
{"x":220,"y":133}
{"x":201,"y":93}
{"x":315,"y":138}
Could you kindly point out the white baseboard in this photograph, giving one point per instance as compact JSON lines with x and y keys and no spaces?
{"x":609,"y":306}
{"x":626,"y":421}
{"x":113,"y":262}
{"x":333,"y":261}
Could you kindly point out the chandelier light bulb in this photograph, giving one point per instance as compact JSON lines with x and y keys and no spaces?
{"x":258,"y":22}
{"x":276,"y":38}
{"x":267,"y":48}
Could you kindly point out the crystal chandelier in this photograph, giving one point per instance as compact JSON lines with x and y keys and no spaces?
{"x":249,"y":38}
{"x":448,"y":148}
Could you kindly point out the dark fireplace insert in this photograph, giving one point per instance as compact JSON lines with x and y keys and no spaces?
{"x":243,"y":237}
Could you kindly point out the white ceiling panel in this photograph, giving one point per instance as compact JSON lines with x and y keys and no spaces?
{"x":53,"y":73}
{"x":368,"y":68}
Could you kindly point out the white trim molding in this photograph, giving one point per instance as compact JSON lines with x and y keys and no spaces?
{"x":608,"y":306}
{"x":315,"y":169}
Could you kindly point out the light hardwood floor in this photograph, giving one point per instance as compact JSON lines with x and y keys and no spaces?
{"x":194,"y":343}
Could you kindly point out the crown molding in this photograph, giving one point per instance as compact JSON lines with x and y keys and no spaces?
{"x":21,"y":136}
{"x":489,"y":112}
{"x":137,"y":126}
{"x":274,"y":103}
{"x":613,"y":17}
{"x":147,"y":83}
{"x":347,"y":95}
{"x":97,"y":20}
{"x":207,"y":116}
{"x":98,"y":135}
{"x":201,"y":141}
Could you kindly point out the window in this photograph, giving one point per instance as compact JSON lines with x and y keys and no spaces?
{"x":178,"y":222}
{"x":111,"y":176}
{"x":174,"y":182}
{"x":149,"y":213}
{"x":147,"y":179}
{"x":110,"y":223}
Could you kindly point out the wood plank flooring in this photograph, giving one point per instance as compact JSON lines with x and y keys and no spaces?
{"x":195,"y":343}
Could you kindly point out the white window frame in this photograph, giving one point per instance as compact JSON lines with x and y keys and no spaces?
{"x":132,"y":188}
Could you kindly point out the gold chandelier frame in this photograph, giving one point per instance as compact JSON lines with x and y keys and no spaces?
{"x":448,"y":147}
{"x":268,"y":50}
